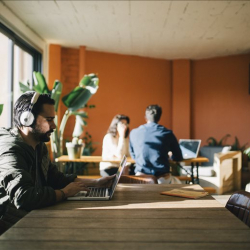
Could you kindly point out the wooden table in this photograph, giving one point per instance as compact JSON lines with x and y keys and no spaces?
{"x":95,"y":159}
{"x":137,"y":217}
{"x":194,"y":162}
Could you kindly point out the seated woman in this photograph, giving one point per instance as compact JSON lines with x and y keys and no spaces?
{"x":115,"y":145}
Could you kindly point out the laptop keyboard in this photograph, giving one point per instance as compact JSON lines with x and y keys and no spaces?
{"x":97,"y":192}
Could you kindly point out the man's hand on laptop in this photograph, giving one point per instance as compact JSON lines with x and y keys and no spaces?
{"x":73,"y":188}
{"x":105,"y":181}
{"x":101,"y":182}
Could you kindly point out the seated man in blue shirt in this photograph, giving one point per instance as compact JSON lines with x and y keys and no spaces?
{"x":149,"y":147}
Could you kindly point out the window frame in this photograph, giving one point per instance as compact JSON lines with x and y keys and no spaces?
{"x":36,"y":55}
{"x":17,"y":40}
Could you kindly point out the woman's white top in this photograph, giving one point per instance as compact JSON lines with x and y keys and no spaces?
{"x":113,"y":147}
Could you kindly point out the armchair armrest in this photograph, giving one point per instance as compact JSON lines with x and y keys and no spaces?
{"x":227,"y":167}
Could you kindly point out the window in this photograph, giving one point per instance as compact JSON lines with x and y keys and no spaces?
{"x":18,"y":61}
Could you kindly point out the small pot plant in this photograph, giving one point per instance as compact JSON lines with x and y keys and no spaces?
{"x":75,"y":148}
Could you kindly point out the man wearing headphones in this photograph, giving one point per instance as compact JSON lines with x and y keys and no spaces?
{"x":149,"y":146}
{"x":28,"y":180}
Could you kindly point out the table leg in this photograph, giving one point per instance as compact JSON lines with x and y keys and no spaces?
{"x":197,"y":172}
{"x":192,"y":172}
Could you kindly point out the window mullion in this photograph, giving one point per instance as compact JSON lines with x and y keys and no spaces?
{"x":10,"y":81}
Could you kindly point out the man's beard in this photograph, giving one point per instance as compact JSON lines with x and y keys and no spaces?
{"x":42,"y":137}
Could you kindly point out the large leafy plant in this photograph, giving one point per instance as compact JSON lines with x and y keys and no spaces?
{"x":74,"y":101}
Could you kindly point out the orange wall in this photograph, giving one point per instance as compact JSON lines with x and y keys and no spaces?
{"x":181,"y":99}
{"x":128,"y":84}
{"x":199,"y":98}
{"x":69,"y":79}
{"x":55,"y":65}
{"x":220,"y":98}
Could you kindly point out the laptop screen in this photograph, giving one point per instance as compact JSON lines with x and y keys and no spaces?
{"x":189,"y":148}
{"x":118,"y":175}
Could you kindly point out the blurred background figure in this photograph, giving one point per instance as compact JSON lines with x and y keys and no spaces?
{"x":150,"y":144}
{"x":115,"y":145}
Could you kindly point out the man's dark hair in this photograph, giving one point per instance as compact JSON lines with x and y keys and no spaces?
{"x":113,"y":126}
{"x":153,"y":113}
{"x":23,"y":103}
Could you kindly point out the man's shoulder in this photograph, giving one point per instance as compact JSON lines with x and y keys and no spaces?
{"x":163,"y":128}
{"x":10,"y":141}
{"x":141,"y":127}
{"x":6,"y":137}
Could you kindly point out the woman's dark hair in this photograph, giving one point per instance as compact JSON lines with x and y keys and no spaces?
{"x":23,"y":103}
{"x":113,"y":125}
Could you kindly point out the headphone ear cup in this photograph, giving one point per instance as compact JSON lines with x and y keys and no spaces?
{"x":27,"y":118}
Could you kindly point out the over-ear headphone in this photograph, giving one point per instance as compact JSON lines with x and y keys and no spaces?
{"x":27,"y":118}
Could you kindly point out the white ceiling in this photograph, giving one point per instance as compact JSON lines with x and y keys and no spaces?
{"x":158,"y":29}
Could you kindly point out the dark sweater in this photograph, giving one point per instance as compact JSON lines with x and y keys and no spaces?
{"x":27,"y":177}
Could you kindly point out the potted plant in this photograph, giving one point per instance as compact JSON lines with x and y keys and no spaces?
{"x":75,"y":148}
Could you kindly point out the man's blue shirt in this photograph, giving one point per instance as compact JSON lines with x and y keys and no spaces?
{"x":149,"y":146}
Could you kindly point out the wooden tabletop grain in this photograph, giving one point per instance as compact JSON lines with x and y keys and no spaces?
{"x":138,"y":217}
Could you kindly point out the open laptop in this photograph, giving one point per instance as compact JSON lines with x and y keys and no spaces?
{"x":101,"y":194}
{"x":189,"y":148}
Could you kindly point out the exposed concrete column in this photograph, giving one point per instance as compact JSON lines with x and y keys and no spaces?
{"x":181,"y":99}
{"x":82,"y":62}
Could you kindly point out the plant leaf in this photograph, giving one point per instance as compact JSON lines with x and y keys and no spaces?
{"x":77,"y":98}
{"x":56,"y":93}
{"x":1,"y":108}
{"x":78,"y":129}
{"x":24,"y":87}
{"x":37,"y":89}
{"x":40,"y":82}
{"x":247,"y":152}
{"x":222,"y":139}
{"x":80,"y":113}
{"x":89,"y":80}
{"x":236,"y":145}
{"x":212,"y":141}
